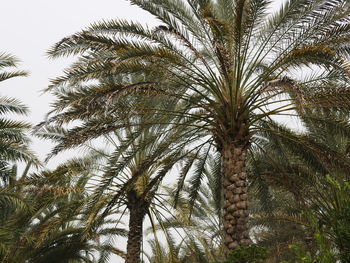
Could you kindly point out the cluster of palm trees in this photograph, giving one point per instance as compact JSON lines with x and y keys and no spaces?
{"x":187,"y":123}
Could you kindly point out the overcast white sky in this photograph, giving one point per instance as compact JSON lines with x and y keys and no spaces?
{"x":29,"y":27}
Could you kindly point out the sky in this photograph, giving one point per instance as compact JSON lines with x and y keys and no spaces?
{"x":30,"y":27}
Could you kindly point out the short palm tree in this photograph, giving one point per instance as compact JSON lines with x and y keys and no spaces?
{"x":232,"y":63}
{"x":141,"y":158}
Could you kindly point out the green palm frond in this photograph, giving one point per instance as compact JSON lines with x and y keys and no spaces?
{"x":9,"y":61}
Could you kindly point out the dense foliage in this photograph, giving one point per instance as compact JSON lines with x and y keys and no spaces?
{"x":181,"y":133}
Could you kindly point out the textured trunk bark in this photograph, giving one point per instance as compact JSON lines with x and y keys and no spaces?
{"x":138,"y":209}
{"x":235,"y":210}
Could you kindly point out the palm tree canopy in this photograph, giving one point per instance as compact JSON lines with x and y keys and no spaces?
{"x":234,"y":57}
{"x":231,"y":64}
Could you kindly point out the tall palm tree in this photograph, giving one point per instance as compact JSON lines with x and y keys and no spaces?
{"x":232,"y":63}
{"x":285,"y":181}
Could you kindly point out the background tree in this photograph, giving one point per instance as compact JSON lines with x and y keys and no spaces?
{"x":52,"y":228}
{"x":291,"y":183}
{"x":144,"y":147}
{"x":14,"y":143}
{"x":14,"y":148}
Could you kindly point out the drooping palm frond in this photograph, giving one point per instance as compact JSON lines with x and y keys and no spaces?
{"x":8,"y":61}
{"x":14,"y":143}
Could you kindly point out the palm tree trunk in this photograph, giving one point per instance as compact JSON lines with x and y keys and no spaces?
{"x":235,"y":212}
{"x":138,"y":209}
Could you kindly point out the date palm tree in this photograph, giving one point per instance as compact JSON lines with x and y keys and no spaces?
{"x":51,"y":228}
{"x":140,"y":159}
{"x":233,"y":65}
{"x":291,"y":193}
{"x":137,"y":156}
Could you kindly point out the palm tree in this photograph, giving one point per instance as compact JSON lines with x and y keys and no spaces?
{"x":52,"y":228}
{"x":14,"y":148}
{"x":140,"y":155}
{"x":233,"y":65}
{"x":285,"y":182}
{"x":306,"y":190}
{"x":139,"y":161}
